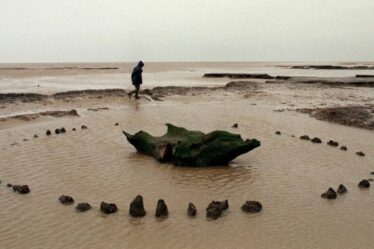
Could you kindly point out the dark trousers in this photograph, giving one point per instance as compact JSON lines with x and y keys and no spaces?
{"x":136,"y":91}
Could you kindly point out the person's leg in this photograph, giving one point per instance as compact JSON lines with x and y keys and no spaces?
{"x":132,"y":92}
{"x":137,"y":88}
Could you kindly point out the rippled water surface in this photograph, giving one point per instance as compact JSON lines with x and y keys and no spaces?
{"x":286,"y":174}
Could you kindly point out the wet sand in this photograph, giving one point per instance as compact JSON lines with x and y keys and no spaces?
{"x":286,"y":174}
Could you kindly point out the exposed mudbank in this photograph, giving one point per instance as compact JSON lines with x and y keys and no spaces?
{"x":91,"y":93}
{"x":58,"y":114}
{"x":21,"y":97}
{"x":155,"y":93}
{"x":331,"y":81}
{"x":98,"y":109}
{"x":333,"y":67}
{"x":32,"y":97}
{"x":159,"y":92}
{"x":364,"y":76}
{"x":356,"y":116}
{"x":60,"y":68}
{"x":238,"y":76}
{"x":358,"y":80}
{"x":32,"y":116}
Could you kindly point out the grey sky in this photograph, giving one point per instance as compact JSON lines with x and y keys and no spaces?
{"x":186,"y":30}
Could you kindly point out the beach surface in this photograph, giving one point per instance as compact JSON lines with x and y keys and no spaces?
{"x":286,"y":174}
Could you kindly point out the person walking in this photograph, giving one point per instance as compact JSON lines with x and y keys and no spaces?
{"x":137,"y":80}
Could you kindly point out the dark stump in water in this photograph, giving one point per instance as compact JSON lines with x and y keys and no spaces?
{"x":83,"y":207}
{"x":137,"y":207}
{"x":278,"y":133}
{"x":161,"y":209}
{"x":83,"y":127}
{"x":63,"y":130}
{"x":192,"y":148}
{"x":252,"y":207}
{"x":360,"y":153}
{"x":22,"y":189}
{"x":214,"y":212}
{"x":216,"y":208}
{"x":364,"y":184}
{"x":316,"y":140}
{"x":48,"y":132}
{"x":342,"y":189}
{"x":329,"y":194}
{"x":344,"y":148}
{"x":66,"y":200}
{"x":305,"y":137}
{"x":108,"y":208}
{"x":333,"y":143}
{"x":191,"y":210}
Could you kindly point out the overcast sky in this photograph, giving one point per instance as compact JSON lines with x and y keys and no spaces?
{"x":186,"y":30}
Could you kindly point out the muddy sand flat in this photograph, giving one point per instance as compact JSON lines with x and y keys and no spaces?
{"x":286,"y":174}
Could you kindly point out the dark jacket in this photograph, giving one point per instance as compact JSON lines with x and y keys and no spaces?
{"x":136,"y":75}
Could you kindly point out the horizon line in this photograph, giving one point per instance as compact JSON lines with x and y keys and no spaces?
{"x":229,"y":61}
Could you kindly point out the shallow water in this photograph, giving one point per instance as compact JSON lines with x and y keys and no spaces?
{"x":155,"y":74}
{"x":286,"y":174}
